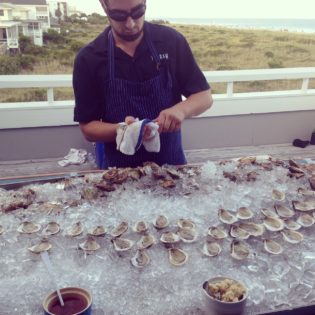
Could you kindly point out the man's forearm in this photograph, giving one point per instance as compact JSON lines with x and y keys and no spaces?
{"x":196,"y":104}
{"x":97,"y":131}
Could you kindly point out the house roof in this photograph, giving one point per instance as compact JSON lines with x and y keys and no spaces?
{"x":25,"y":2}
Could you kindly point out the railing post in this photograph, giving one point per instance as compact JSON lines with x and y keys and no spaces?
{"x":50,"y":96}
{"x":305,"y":85}
{"x":229,"y":89}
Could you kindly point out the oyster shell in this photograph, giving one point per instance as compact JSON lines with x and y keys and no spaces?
{"x":306,"y":220}
{"x":284,"y":211}
{"x":90,"y":245}
{"x":140,"y":259}
{"x":120,"y":229}
{"x":141,"y":227}
{"x":274,"y":224}
{"x":211,"y":249}
{"x":272,"y":247}
{"x":89,"y":193}
{"x":173,"y":173}
{"x":244,"y":213}
{"x":110,"y":174}
{"x":161,"y":222}
{"x":217,"y":232}
{"x":28,"y":227}
{"x":146,"y":241}
{"x":278,"y":195}
{"x":270,"y":213}
{"x":237,"y":232}
{"x":97,"y":231}
{"x":76,"y":230}
{"x":122,"y":244}
{"x":306,"y":192}
{"x":105,"y":186}
{"x":43,"y":246}
{"x":239,"y":250}
{"x":292,"y":237}
{"x":169,"y":238}
{"x":187,"y":235}
{"x":186,"y":223}
{"x":291,"y":225}
{"x":304,"y":206}
{"x":51,"y":228}
{"x":254,"y":229}
{"x":226,"y":216}
{"x":177,"y":257}
{"x":167,"y":183}
{"x":1,"y":229}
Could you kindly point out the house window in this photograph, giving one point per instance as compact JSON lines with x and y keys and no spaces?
{"x":1,"y":12}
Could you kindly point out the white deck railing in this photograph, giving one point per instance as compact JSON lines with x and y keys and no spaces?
{"x":57,"y":113}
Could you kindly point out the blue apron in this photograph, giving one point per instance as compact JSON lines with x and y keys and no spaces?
{"x":140,"y":100}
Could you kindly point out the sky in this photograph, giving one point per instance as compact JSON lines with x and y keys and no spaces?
{"x":303,"y":9}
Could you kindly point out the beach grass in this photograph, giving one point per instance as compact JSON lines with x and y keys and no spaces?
{"x":215,"y":48}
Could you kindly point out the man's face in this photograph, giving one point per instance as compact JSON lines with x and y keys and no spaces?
{"x":126,"y":17}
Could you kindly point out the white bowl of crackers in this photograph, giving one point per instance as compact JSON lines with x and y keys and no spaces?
{"x":225,"y":296}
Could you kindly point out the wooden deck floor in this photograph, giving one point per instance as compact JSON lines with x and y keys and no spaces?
{"x":12,"y":169}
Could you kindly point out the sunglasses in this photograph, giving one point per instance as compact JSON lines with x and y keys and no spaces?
{"x":121,"y":16}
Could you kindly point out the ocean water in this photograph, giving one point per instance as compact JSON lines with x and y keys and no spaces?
{"x":290,"y":25}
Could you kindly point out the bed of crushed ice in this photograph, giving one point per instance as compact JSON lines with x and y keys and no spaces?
{"x":275,"y":282}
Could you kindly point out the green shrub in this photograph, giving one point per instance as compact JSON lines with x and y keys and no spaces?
{"x":24,"y":43}
{"x":76,"y":45}
{"x":9,"y":65}
{"x":27,"y":62}
{"x":52,"y":36}
{"x":274,"y":64}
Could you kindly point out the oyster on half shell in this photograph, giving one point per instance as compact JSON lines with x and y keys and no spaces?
{"x":293,"y":237}
{"x":238,"y":232}
{"x":244,"y":213}
{"x":120,"y":229}
{"x":122,"y":244}
{"x":226,"y":216}
{"x":29,"y":227}
{"x":169,"y":238}
{"x":98,"y":230}
{"x":291,"y":225}
{"x":272,"y":247}
{"x":270,"y":213}
{"x":161,"y":222}
{"x":283,"y":211}
{"x":76,"y":230}
{"x":304,"y":205}
{"x":51,"y":228}
{"x":187,"y":235}
{"x":177,"y":257}
{"x":306,"y":220}
{"x":43,"y":246}
{"x":278,"y":195}
{"x":239,"y":250}
{"x":141,"y":227}
{"x":186,"y":223}
{"x":146,"y":241}
{"x":273,"y":224}
{"x":90,"y":245}
{"x":140,"y":259}
{"x":254,"y":229}
{"x":217,"y":232}
{"x":211,"y":249}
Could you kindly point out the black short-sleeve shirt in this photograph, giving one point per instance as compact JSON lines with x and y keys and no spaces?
{"x":91,"y":69}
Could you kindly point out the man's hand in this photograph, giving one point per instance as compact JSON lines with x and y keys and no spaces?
{"x":170,"y":119}
{"x":147,"y":132}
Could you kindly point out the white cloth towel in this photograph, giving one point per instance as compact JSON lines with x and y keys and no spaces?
{"x":130,"y":137}
{"x":74,"y":157}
